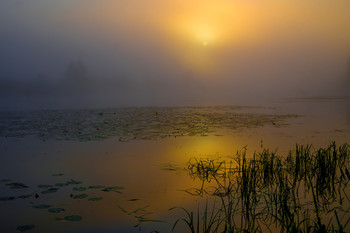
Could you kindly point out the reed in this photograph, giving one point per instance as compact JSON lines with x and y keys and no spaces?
{"x":304,"y":191}
{"x":206,"y":221}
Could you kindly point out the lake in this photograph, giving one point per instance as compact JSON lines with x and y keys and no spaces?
{"x":122,"y":169}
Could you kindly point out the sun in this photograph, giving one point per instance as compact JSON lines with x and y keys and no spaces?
{"x":204,"y":43}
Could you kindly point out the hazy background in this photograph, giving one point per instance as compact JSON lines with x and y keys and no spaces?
{"x":107,"y":53}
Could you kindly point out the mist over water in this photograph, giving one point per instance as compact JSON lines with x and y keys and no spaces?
{"x":114,"y":53}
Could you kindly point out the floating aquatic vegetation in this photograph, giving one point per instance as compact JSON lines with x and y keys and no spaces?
{"x":73,"y":218}
{"x":42,"y":206}
{"x":56,"y":210}
{"x":10,"y":198}
{"x":51,"y":190}
{"x":133,"y":123}
{"x":71,"y":181}
{"x":95,"y":199}
{"x":80,"y":196}
{"x":113,"y":188}
{"x":70,"y":218}
{"x":24,"y":228}
{"x":16,"y":185}
{"x":96,"y":187}
{"x":25,"y":196}
{"x":79,"y":188}
{"x":61,"y":184}
{"x":58,"y":174}
{"x":7,"y":198}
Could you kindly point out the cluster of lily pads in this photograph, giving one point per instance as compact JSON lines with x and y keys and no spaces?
{"x":49,"y":189}
{"x":127,"y":124}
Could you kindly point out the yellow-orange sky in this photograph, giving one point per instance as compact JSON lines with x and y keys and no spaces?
{"x":179,"y":27}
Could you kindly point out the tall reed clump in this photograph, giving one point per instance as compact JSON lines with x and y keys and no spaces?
{"x":305,"y":191}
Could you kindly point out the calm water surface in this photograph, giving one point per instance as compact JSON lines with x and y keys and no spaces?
{"x":133,"y":160}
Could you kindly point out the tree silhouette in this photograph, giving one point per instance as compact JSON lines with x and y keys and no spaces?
{"x":76,"y":72}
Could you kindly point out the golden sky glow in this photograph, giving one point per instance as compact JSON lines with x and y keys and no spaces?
{"x":227,"y":43}
{"x":186,"y":29}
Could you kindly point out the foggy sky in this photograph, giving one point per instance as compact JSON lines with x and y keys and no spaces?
{"x":108,"y":53}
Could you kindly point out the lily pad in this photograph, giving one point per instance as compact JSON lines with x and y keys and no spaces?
{"x":73,"y":218}
{"x":17,"y":185}
{"x":25,"y":196}
{"x":96,"y":187}
{"x":56,"y":210}
{"x":113,"y":188}
{"x":44,"y":186}
{"x":7,"y":198}
{"x":95,"y":199}
{"x":79,"y":189}
{"x":61,"y":184}
{"x":80,"y":196}
{"x":57,"y":174}
{"x":71,"y":181}
{"x":51,"y":190}
{"x":24,"y":228}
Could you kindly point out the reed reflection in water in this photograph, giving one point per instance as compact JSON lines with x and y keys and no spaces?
{"x":305,"y":191}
